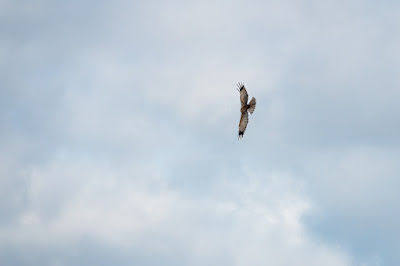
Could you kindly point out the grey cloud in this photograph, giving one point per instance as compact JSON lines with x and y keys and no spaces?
{"x":101,"y":208}
{"x":140,"y":99}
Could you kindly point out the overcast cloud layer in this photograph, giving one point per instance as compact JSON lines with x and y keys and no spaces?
{"x":118,"y":133}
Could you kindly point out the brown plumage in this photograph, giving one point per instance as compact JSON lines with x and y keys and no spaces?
{"x":245,"y":109}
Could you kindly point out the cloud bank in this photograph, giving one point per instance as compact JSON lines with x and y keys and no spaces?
{"x":118,"y":133}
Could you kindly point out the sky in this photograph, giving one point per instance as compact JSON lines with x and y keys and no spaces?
{"x":119,"y":122}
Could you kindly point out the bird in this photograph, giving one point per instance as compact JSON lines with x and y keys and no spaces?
{"x":245,"y":109}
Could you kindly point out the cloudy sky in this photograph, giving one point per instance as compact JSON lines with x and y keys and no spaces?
{"x":118,"y":133}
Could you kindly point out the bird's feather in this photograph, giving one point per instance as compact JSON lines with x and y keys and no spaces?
{"x":243,"y":94}
{"x":244,"y":119}
{"x":252,"y":105}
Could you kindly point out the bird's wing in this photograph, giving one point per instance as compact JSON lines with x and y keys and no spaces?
{"x":252,"y":105}
{"x":243,"y":94}
{"x":244,"y":119}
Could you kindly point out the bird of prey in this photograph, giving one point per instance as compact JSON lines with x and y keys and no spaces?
{"x":245,"y":109}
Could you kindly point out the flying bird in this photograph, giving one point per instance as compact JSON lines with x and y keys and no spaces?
{"x":245,"y":109}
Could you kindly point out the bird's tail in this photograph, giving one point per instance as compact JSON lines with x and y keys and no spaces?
{"x":252,"y":105}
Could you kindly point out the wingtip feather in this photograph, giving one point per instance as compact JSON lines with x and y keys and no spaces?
{"x":240,"y":86}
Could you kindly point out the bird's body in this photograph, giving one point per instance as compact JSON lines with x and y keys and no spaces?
{"x":245,"y":109}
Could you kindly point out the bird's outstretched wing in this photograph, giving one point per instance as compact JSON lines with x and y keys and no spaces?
{"x":243,"y":94}
{"x":244,"y":119}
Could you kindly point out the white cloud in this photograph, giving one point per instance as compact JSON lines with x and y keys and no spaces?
{"x":255,"y":221}
{"x":139,"y":99}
